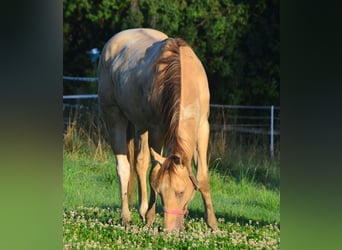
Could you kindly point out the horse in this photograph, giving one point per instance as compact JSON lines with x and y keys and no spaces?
{"x":154,"y":96}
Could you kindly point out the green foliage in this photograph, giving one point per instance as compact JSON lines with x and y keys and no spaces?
{"x":237,"y":41}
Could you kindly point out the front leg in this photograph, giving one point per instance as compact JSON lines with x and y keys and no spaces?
{"x":203,"y":174}
{"x":117,"y":124}
{"x":123,"y":170}
{"x":151,"y":212}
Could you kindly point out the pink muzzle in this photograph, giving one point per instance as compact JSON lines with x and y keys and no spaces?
{"x":176,"y":211}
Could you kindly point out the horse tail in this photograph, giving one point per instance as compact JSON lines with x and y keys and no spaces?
{"x":131,"y":160}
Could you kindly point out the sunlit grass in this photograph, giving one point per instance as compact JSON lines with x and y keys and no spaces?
{"x":247,"y":207}
{"x":248,"y":213}
{"x":99,"y":228}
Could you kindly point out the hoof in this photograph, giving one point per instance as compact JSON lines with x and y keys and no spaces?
{"x":150,"y":216}
{"x":125,"y":222}
{"x":213,"y":225}
{"x":214,"y":228}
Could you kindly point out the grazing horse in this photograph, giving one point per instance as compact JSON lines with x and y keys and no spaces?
{"x":154,"y":88}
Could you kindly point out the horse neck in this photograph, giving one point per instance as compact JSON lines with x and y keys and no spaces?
{"x":180,"y":89}
{"x":190,"y":103}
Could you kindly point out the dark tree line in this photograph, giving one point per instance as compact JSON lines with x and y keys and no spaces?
{"x":236,"y":40}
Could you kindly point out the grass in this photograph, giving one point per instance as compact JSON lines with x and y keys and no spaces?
{"x":99,"y":228}
{"x":246,"y":202}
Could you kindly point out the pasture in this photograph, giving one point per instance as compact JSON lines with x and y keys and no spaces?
{"x":245,"y":193}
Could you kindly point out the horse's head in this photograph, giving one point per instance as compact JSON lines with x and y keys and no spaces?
{"x":176,"y":185}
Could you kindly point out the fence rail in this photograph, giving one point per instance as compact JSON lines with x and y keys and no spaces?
{"x":65,"y":97}
{"x":82,"y":79}
{"x":242,"y":106}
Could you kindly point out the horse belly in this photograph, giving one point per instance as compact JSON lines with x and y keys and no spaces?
{"x":139,"y":115}
{"x":134,"y":104}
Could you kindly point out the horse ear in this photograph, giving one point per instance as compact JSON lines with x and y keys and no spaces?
{"x":154,"y":181}
{"x":157,"y":157}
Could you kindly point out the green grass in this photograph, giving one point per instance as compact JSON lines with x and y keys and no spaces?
{"x":248,"y":213}
{"x":89,"y":182}
{"x":244,"y":189}
{"x":99,"y":228}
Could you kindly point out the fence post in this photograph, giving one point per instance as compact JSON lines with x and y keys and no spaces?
{"x":272,"y":132}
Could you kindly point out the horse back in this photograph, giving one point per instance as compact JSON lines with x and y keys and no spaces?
{"x":126,"y":72}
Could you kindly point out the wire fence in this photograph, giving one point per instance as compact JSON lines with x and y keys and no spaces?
{"x":247,"y":120}
{"x":243,"y":119}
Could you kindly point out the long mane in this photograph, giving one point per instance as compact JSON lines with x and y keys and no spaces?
{"x":168,"y":82}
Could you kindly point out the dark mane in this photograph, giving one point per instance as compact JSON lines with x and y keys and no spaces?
{"x":168,"y":168}
{"x":169,"y":84}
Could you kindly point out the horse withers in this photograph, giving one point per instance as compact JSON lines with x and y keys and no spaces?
{"x":154,"y":88}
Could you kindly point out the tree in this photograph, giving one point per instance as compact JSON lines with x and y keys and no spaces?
{"x":237,"y":41}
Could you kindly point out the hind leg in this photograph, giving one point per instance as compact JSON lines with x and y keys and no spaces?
{"x":117,"y":126}
{"x":143,"y":160}
{"x":203,"y":175}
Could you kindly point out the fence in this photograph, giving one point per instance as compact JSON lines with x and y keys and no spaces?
{"x":259,"y":120}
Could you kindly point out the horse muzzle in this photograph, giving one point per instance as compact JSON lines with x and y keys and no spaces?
{"x":174,"y":218}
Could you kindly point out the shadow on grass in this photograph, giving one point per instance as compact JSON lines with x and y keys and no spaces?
{"x":262,"y":171}
{"x":193,"y":214}
{"x":242,"y":220}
